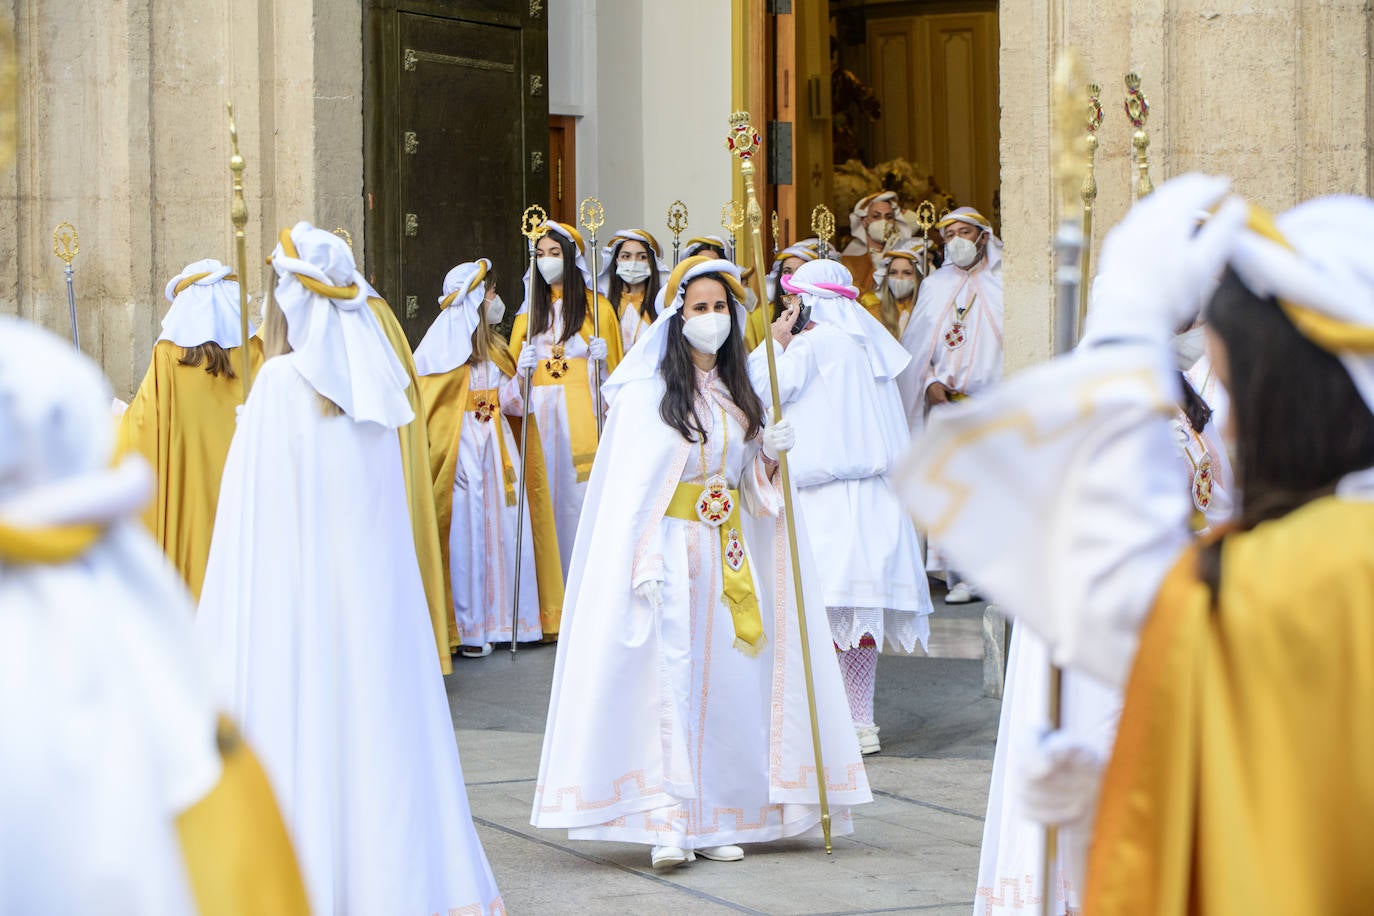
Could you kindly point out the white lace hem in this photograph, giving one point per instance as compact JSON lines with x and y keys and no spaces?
{"x":899,"y":631}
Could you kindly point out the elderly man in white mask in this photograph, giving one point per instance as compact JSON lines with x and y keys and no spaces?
{"x":837,"y":377}
{"x":119,"y":792}
{"x":313,"y":596}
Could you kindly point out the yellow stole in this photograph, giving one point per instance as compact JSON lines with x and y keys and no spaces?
{"x":737,"y":582}
{"x":1240,"y":781}
{"x":571,"y":375}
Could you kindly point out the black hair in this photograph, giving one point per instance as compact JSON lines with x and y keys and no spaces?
{"x":574,"y":296}
{"x":1197,"y":411}
{"x":716,"y":252}
{"x":1300,"y":422}
{"x":678,"y":407}
{"x":617,"y":287}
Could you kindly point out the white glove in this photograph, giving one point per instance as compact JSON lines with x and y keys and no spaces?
{"x":596,"y":348}
{"x":527,"y":361}
{"x":1060,"y":780}
{"x":778,"y":438}
{"x":1157,"y":268}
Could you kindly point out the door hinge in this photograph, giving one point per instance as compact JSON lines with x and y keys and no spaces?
{"x":779,"y":7}
{"x":779,"y":152}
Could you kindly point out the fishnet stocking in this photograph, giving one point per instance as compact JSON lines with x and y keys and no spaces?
{"x":859,"y":666}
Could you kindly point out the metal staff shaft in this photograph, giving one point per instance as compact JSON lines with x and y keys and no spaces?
{"x":65,"y":245}
{"x":532,"y":227}
{"x":71,"y":305}
{"x":592,"y":215}
{"x":744,"y":142}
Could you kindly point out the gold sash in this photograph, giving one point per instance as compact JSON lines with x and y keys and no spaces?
{"x":54,"y":544}
{"x":571,"y":374}
{"x":485,"y":405}
{"x":737,"y":584}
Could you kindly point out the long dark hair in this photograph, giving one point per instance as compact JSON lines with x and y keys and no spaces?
{"x":574,"y":296}
{"x":678,"y":408}
{"x":1300,"y":423}
{"x":617,"y":287}
{"x":212,"y":355}
{"x":1197,"y":410}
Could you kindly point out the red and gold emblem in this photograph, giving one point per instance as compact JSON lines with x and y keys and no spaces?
{"x":1202,"y":484}
{"x":484,"y":408}
{"x":734,"y":551}
{"x":556,"y":365}
{"x":954,"y":337}
{"x":714,"y":505}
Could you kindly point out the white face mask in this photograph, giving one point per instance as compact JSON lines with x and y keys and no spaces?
{"x":901,"y":287}
{"x":1188,"y":347}
{"x":632,"y":272}
{"x":551,"y":268}
{"x":877,"y":230}
{"x":496,"y":310}
{"x":961,"y":251}
{"x":707,"y":333}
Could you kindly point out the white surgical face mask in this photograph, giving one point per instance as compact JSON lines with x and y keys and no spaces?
{"x":551,"y":268}
{"x":496,"y":310}
{"x":877,"y":230}
{"x":901,"y":287}
{"x":961,"y":251}
{"x":1188,"y":347}
{"x":632,"y":272}
{"x":707,"y":333}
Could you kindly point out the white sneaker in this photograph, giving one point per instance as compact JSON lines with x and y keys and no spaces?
{"x":474,"y":652}
{"x":960,"y":594}
{"x":663,"y":857}
{"x":868,"y":739}
{"x":722,"y":853}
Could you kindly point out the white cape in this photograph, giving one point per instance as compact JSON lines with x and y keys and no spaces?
{"x":314,"y":602}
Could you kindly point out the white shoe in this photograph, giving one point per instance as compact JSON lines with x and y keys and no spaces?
{"x":722,"y":853}
{"x":868,"y":739}
{"x":667,"y":857}
{"x":474,"y":652}
{"x":960,"y":594}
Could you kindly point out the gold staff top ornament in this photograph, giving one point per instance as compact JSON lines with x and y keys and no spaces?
{"x":532,"y":223}
{"x":591,"y":214}
{"x":732,"y":217}
{"x":777,"y":230}
{"x":65,"y":244}
{"x":823,"y":225}
{"x":343,"y":233}
{"x":1138,"y":111}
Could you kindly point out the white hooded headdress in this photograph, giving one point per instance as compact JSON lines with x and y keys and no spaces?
{"x":448,"y":342}
{"x":829,"y":290}
{"x":205,"y":307}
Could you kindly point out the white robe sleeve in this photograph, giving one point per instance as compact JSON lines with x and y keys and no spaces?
{"x":796,"y":365}
{"x":1062,"y":497}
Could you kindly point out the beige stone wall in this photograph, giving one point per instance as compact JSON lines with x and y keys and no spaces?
{"x":1277,"y":96}
{"x":122,"y":131}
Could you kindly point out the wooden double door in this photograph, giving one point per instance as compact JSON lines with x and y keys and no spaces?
{"x":456,"y":118}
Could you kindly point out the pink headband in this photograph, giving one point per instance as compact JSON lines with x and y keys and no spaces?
{"x":847,"y":292}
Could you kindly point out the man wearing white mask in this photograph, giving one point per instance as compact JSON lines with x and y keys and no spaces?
{"x":677,"y":715}
{"x":837,"y":378}
{"x":955,"y":335}
{"x":314,"y":600}
{"x":871,"y":222}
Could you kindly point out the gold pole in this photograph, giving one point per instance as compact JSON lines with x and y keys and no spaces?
{"x":533,"y":224}
{"x":1089,"y":193}
{"x":743,"y":141}
{"x":925,"y":218}
{"x":592,"y":215}
{"x":677,"y":222}
{"x":238,"y":215}
{"x":1138,"y":110}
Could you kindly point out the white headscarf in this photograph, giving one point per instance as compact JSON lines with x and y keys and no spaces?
{"x":1316,"y":260}
{"x":448,"y":342}
{"x":646,"y":355}
{"x":909,"y":248}
{"x":204,"y":309}
{"x":572,"y":235}
{"x":612,"y":250}
{"x":697,"y":243}
{"x":973,"y":218}
{"x":829,"y":290}
{"x":339,"y":346}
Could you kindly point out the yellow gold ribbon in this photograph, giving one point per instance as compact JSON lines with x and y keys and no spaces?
{"x":186,"y":283}
{"x":51,"y":544}
{"x":481,"y":275}
{"x":315,"y":286}
{"x":489,"y":397}
{"x":737,"y":584}
{"x":577,"y":395}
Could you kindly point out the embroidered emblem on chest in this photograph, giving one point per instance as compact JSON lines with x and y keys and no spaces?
{"x":484,"y":408}
{"x":954,"y":337}
{"x":1202,"y":484}
{"x":734,"y":551}
{"x":714,"y":505}
{"x":557,"y":365}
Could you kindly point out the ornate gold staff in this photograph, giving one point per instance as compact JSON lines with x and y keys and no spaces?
{"x":238,"y":215}
{"x":1070,"y":164}
{"x":743,"y":141}
{"x":1138,"y":110}
{"x":776,"y":234}
{"x":677,"y":224}
{"x":66,"y":245}
{"x":592,"y":215}
{"x":823,"y":224}
{"x":1089,"y":193}
{"x":925,"y":218}
{"x":532,"y":227}
{"x":732,"y":221}
{"x":344,"y":234}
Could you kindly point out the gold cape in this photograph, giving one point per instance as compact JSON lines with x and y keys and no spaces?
{"x":446,"y":397}
{"x":861,"y":268}
{"x":181,"y":420}
{"x":1241,"y":779}
{"x":756,"y":327}
{"x":415,"y":459}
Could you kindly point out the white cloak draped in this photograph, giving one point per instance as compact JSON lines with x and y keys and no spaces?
{"x":659,"y":731}
{"x":314,"y":602}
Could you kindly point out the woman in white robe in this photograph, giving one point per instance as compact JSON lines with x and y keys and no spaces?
{"x":313,"y":599}
{"x":554,"y":342}
{"x":632,"y":273}
{"x":837,"y":379}
{"x":678,"y":714}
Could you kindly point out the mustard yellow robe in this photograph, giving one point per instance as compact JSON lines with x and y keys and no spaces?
{"x":182,"y":420}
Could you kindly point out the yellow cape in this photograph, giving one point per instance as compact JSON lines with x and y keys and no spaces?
{"x":237,"y":853}
{"x":1241,"y":778}
{"x":446,"y":397}
{"x":181,"y":420}
{"x":756,"y":326}
{"x":424,"y":523}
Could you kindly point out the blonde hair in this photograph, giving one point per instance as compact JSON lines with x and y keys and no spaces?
{"x":276,"y":343}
